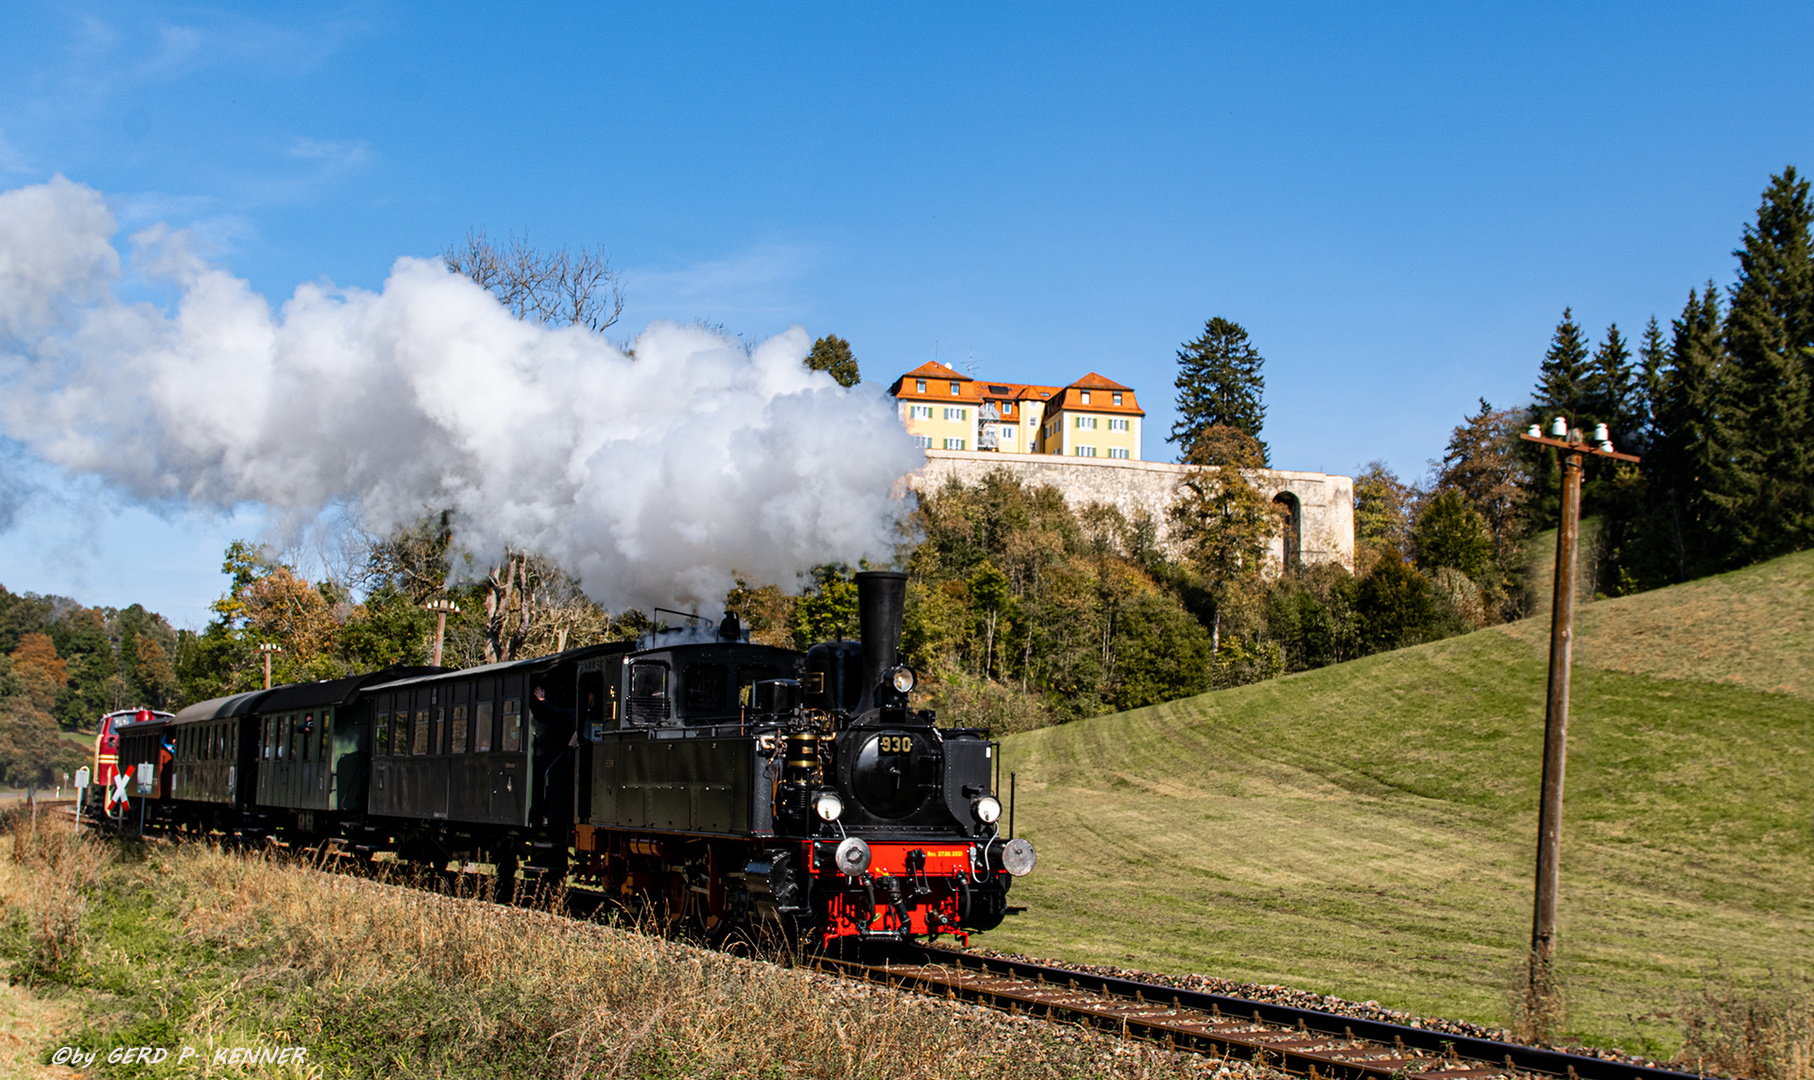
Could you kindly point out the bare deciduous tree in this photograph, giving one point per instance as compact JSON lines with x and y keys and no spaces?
{"x":531,"y":607}
{"x":560,"y":288}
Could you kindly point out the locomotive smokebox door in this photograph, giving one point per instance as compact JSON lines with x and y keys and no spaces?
{"x":893,"y":771}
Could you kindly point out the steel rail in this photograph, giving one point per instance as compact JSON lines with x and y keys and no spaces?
{"x":1305,"y":1042}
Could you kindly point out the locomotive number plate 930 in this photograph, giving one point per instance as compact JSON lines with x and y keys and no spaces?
{"x":895,"y":744}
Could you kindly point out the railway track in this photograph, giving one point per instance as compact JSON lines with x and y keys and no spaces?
{"x":1304,"y":1042}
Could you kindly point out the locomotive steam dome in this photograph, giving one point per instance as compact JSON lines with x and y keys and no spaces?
{"x":895,"y":771}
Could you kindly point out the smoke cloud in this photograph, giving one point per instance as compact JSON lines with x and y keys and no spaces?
{"x":653,"y":477}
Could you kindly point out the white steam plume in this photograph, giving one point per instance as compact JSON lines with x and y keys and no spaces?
{"x":652,"y":479}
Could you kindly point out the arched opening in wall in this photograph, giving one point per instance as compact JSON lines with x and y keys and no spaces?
{"x":1291,"y":529}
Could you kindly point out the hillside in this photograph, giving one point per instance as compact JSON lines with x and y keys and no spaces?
{"x":1368,"y":829}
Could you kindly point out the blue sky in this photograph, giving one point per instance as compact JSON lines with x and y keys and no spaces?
{"x":1397,"y":202}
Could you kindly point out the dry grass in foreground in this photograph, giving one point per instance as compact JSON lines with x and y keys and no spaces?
{"x":191,"y":946}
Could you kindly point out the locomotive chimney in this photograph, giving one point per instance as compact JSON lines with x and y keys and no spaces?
{"x":881,"y":603}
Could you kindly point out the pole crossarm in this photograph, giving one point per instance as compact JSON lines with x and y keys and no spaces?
{"x":1579,"y":448}
{"x":442,"y":608}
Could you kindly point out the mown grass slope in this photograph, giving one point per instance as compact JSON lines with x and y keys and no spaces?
{"x":1368,"y":830}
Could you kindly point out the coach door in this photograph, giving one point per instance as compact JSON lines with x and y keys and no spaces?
{"x":509,"y":764}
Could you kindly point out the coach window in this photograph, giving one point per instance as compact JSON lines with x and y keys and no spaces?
{"x":418,"y":733}
{"x":440,"y":746}
{"x":400,"y":725}
{"x":283,"y":737}
{"x":326,"y":735}
{"x":459,"y":729}
{"x":381,"y":732}
{"x":648,"y":692}
{"x":483,"y":722}
{"x":513,"y":725}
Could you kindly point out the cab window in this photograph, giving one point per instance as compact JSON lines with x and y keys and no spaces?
{"x":648,"y":692}
{"x":706,"y":687}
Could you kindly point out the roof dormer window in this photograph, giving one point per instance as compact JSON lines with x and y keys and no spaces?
{"x":1117,"y":397}
{"x":919,"y":385}
{"x":1086,"y":396}
{"x":954,"y":388}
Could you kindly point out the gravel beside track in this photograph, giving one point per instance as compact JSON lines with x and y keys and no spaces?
{"x":1305,"y":999}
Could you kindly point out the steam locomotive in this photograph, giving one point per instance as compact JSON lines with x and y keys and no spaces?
{"x":703,"y":778}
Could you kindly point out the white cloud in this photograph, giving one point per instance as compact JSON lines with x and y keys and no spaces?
{"x":653,"y":479}
{"x":12,"y":160}
{"x":758,"y":282}
{"x":335,"y":155}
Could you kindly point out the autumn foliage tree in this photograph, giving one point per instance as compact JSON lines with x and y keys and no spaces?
{"x":1222,"y":521}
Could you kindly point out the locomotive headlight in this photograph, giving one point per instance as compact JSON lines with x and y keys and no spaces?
{"x":987,"y":810}
{"x":904,"y":679}
{"x":853,"y":856}
{"x":828,"y":806}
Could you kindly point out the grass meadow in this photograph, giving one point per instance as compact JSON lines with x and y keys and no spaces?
{"x":1368,"y":830}
{"x":111,"y":945}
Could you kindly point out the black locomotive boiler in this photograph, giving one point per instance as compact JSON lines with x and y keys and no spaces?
{"x":700,"y":776}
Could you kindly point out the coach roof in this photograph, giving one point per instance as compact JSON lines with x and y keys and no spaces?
{"x":314,"y":695}
{"x":505,"y":666}
{"x":220,"y":708}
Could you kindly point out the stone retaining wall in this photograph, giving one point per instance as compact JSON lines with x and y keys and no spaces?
{"x":1322,"y":504}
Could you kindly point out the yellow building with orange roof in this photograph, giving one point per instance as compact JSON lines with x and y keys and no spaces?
{"x":946,"y":410}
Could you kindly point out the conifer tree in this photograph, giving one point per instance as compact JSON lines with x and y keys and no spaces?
{"x":1219,"y":384}
{"x":1764,"y":487}
{"x":1609,"y":387}
{"x":1687,"y":439}
{"x":1653,"y":360}
{"x":1562,"y":385}
{"x":1562,"y":390}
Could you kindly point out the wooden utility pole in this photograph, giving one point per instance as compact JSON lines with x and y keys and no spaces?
{"x":1555,"y":713}
{"x":268,"y":648}
{"x":441,"y":608}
